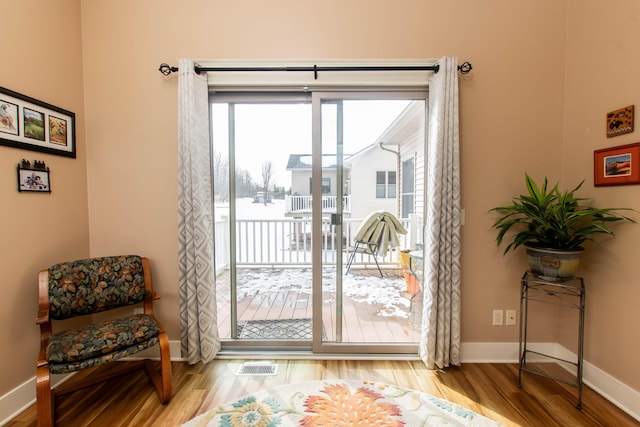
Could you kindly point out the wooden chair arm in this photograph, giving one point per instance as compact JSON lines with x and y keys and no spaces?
{"x":43,"y":297}
{"x":148,"y":284}
{"x":42,"y":356}
{"x":154,"y":295}
{"x":42,"y":317}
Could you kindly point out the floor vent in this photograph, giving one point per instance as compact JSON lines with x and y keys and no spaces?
{"x":257,"y":368}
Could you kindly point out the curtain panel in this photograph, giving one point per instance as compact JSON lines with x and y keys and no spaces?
{"x":198,"y":323}
{"x":440,"y":337}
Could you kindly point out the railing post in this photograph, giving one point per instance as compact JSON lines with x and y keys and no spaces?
{"x":221,"y":234}
{"x":413,"y":231}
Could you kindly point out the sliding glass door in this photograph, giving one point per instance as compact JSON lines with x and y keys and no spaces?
{"x":295,"y":176}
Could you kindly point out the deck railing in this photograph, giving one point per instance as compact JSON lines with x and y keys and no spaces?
{"x":288,"y":242}
{"x":302,"y":204}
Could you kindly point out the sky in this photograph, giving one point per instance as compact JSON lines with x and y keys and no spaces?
{"x":273,"y":131}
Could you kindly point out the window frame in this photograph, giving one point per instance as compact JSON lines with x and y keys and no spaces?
{"x":386,"y":185}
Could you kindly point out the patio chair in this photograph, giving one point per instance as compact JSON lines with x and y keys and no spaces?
{"x":83,"y":288}
{"x":377,"y":233}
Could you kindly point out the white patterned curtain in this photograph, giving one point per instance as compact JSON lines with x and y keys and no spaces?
{"x":198,"y":323}
{"x":440,"y":338}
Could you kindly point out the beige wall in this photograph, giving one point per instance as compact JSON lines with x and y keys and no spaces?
{"x":40,"y":57}
{"x":131,"y":109}
{"x":512,"y":120}
{"x":602,"y":64}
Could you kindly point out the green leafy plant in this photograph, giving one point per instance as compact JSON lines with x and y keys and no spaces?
{"x":553,"y":219}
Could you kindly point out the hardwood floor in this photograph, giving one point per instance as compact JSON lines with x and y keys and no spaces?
{"x":489,"y":389}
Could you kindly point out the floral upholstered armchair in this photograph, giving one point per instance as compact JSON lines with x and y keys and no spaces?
{"x":85,"y":287}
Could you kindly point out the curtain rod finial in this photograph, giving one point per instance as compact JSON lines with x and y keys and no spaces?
{"x":465,"y":68}
{"x":166,"y":69}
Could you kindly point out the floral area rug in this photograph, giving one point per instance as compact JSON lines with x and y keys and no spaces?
{"x":336,"y":403}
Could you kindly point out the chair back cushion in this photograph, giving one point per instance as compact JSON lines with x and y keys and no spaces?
{"x":96,"y":284}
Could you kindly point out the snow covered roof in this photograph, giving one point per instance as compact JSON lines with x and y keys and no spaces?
{"x":303,"y":161}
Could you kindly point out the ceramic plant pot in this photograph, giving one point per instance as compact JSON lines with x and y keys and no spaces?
{"x":553,"y":264}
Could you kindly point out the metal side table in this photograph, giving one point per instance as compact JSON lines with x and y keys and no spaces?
{"x":568,"y":293}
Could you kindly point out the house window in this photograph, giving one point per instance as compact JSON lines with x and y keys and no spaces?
{"x":408,"y":181}
{"x":326,"y":186}
{"x":385,"y":184}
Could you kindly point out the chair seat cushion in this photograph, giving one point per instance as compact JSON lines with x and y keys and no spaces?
{"x":100,"y":339}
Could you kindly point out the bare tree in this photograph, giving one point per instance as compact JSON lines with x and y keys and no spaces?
{"x":244,"y":184}
{"x":267,"y":175}
{"x":221,"y":177}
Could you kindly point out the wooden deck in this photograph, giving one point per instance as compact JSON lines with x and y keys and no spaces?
{"x":375,"y":310}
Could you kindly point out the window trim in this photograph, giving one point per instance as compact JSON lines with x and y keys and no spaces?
{"x":257,"y":81}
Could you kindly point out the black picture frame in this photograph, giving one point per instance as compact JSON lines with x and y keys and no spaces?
{"x":30,"y":124}
{"x":34,"y":178}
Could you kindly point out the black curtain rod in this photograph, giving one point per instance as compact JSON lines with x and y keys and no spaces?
{"x":464,"y":68}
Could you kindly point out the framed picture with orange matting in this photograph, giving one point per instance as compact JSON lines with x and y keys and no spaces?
{"x":617,"y":165}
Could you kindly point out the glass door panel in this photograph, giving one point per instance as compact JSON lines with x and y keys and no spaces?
{"x":263,"y":221}
{"x":361,"y":298}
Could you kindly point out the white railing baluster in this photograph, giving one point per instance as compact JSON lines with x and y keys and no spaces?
{"x":259,"y":242}
{"x":302,"y":204}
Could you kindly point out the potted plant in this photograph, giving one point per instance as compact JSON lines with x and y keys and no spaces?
{"x":553,"y":226}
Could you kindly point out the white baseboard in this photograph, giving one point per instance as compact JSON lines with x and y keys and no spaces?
{"x":618,"y":393}
{"x":23,"y":396}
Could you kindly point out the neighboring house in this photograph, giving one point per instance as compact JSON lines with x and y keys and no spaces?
{"x":406,"y":135}
{"x":370,"y":178}
{"x":300,"y":167}
{"x":386,"y":175}
{"x":372,"y":181}
{"x":299,"y":202}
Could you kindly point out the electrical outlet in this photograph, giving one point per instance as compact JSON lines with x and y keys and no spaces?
{"x":138,"y":310}
{"x":498,"y":317}
{"x":511,"y":318}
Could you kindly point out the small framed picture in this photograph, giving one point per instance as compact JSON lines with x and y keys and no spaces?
{"x":31,"y":124}
{"x":620,"y":121}
{"x":8,"y":117}
{"x":58,"y":130}
{"x":617,"y":165}
{"x":33,"y":177}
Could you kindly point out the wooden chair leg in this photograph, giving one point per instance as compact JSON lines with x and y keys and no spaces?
{"x":162,"y":380}
{"x":44,"y":397}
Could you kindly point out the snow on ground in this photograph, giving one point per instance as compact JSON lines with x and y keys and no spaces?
{"x":246,"y":209}
{"x":385,"y":291}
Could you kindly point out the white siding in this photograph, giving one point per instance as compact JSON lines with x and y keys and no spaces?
{"x":363,"y":182}
{"x":300,"y":181}
{"x":413,"y":147}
